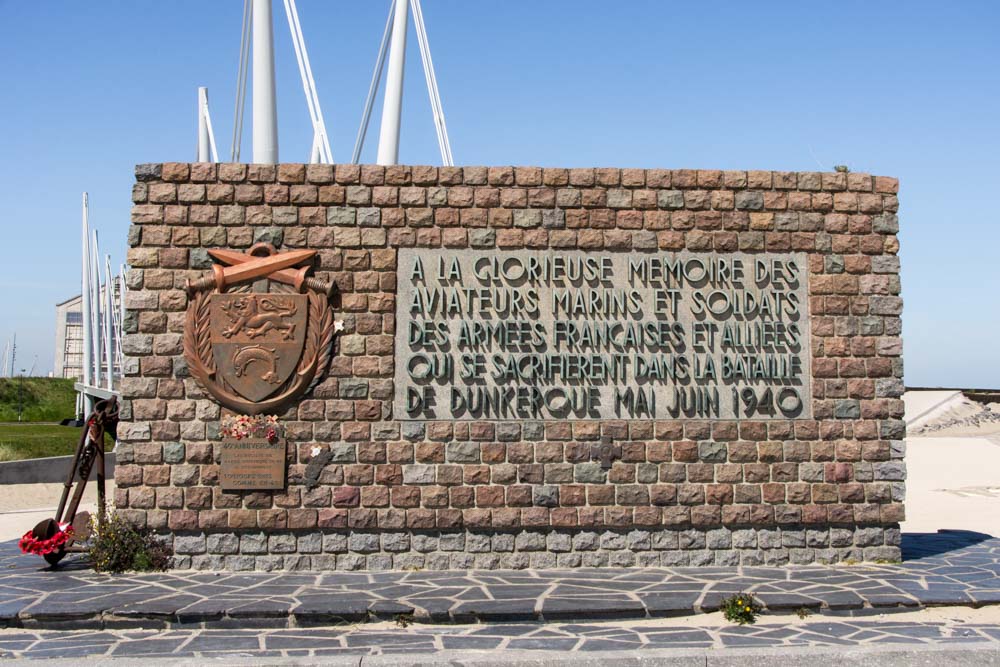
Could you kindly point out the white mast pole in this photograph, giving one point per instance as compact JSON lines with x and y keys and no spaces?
{"x":383,"y":48}
{"x":392,"y":104}
{"x":203,"y":140}
{"x":432,"y":88}
{"x":85,"y":305}
{"x":321,"y":144}
{"x":122,"y":291}
{"x":265,"y":109}
{"x":207,"y":151}
{"x":241,"y":82}
{"x":108,"y":341}
{"x":95,"y":304}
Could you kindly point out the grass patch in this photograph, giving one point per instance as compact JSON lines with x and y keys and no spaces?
{"x":35,"y":441}
{"x":44,"y":399}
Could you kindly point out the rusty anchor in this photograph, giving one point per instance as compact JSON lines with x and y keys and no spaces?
{"x":88,"y":459}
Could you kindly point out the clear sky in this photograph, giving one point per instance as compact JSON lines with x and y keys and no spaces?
{"x":906,"y":89}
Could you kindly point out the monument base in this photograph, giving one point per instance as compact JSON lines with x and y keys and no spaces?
{"x":538,"y":549}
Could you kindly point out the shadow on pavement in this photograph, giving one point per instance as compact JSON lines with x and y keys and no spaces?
{"x":924,"y":545}
{"x":12,"y":560}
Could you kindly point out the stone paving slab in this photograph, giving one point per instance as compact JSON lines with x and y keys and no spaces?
{"x":946,"y":568}
{"x":603,"y":643}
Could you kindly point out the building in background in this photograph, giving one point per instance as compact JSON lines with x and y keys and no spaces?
{"x":69,"y":336}
{"x":69,"y":339}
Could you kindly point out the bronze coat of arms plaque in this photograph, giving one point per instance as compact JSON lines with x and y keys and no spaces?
{"x":259,"y":332}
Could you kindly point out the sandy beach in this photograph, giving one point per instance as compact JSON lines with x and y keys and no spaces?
{"x":952,"y":464}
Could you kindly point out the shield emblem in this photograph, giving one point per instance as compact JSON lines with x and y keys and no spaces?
{"x":257,"y":340}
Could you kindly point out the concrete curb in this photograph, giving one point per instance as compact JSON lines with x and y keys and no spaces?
{"x":161,"y":617}
{"x":52,"y":469}
{"x":888,"y":655}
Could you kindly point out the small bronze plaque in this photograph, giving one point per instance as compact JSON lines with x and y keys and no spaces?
{"x":252,"y":464}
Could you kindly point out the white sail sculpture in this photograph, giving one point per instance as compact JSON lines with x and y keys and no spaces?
{"x":394,"y":43}
{"x":257,"y":46}
{"x":102,"y":310}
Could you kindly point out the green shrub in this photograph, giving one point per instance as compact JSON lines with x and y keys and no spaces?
{"x":118,"y":546}
{"x":741,"y":608}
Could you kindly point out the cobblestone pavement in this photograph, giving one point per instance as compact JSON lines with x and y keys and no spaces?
{"x":954,"y":568}
{"x":74,"y":613}
{"x":387,"y":639}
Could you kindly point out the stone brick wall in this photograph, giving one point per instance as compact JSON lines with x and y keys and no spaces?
{"x":485,"y":494}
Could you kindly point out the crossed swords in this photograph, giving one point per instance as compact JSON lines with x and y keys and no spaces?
{"x":248,"y":266}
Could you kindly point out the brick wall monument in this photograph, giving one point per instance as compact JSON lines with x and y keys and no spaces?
{"x":537,"y":368}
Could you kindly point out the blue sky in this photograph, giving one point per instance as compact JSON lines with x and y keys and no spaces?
{"x":903,"y":89}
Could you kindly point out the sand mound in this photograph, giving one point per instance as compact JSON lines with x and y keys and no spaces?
{"x":964,"y":417}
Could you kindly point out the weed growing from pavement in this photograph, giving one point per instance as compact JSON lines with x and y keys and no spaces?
{"x":741,"y":608}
